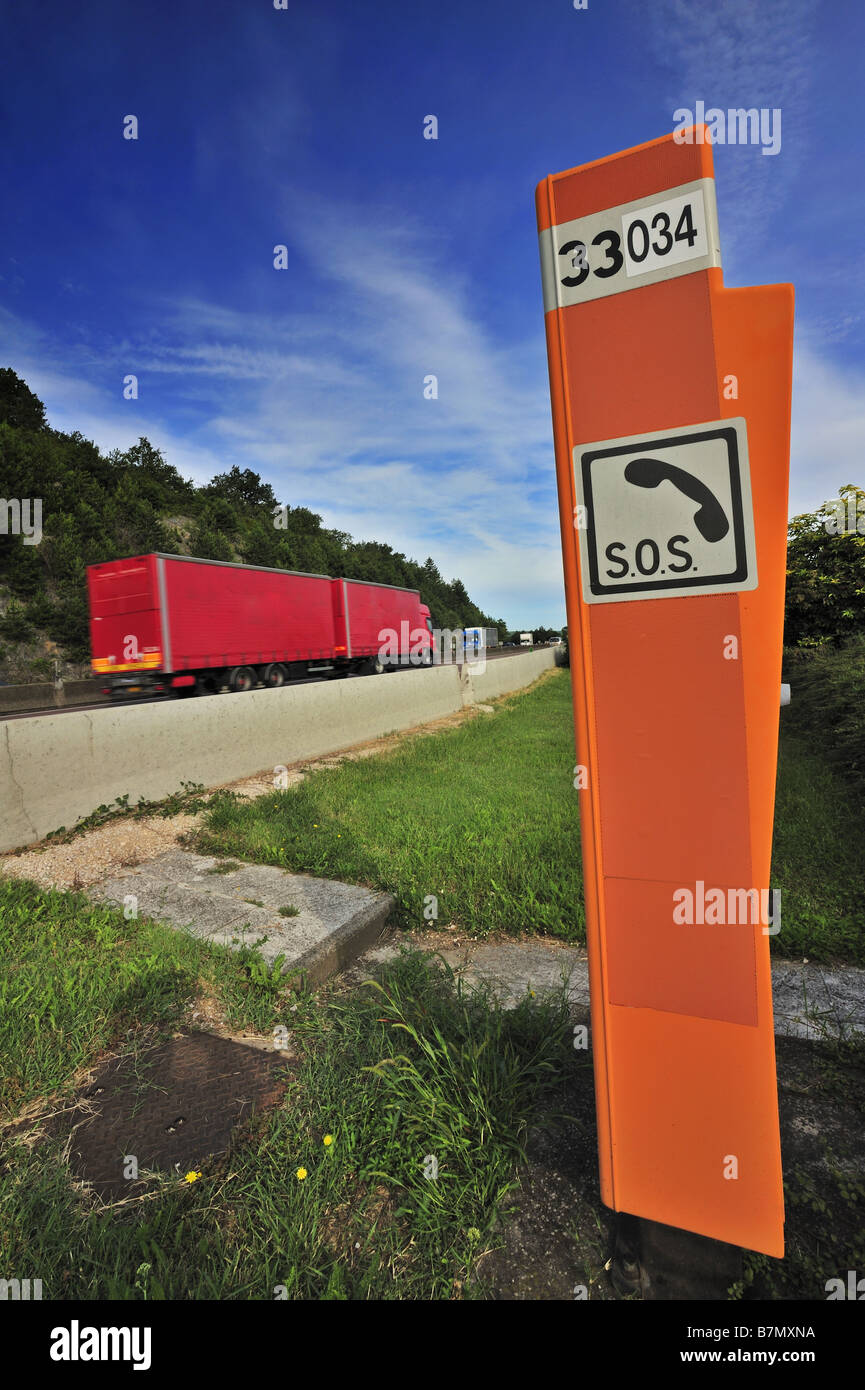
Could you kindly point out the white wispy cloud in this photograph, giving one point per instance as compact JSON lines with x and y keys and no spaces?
{"x":746,"y":54}
{"x":326,"y":401}
{"x":828,"y":430}
{"x":743,"y":54}
{"x":328,"y":404}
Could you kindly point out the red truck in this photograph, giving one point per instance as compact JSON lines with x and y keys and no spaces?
{"x":176,"y":624}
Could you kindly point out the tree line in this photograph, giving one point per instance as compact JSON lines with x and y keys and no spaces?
{"x":99,"y":507}
{"x":106,"y":506}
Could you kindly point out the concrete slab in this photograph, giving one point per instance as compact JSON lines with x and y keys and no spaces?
{"x":511,"y":968}
{"x":844,"y":987}
{"x":334,"y":921}
{"x":516,"y":968}
{"x":810,"y":1000}
{"x":178,"y":904}
{"x":814,"y":1001}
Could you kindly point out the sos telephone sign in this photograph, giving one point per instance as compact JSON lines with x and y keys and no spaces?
{"x":671,"y":415}
{"x":666,"y":513}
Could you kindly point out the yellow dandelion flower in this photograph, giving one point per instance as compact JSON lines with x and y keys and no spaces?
{"x":301,"y":1174}
{"x":192,"y":1177}
{"x":327,"y":1141}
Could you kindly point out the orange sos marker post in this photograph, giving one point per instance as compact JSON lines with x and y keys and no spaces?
{"x":671,"y":414}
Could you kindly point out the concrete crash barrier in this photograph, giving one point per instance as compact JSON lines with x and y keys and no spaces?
{"x":508,"y":673}
{"x":78,"y":692}
{"x":38,"y":695}
{"x":43,"y":694}
{"x":55,"y":770}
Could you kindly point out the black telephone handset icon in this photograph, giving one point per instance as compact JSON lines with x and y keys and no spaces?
{"x":710,"y":520}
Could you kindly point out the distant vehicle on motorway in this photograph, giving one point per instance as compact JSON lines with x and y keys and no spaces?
{"x":180,"y":625}
{"x":479,"y":638}
{"x":526,"y":639}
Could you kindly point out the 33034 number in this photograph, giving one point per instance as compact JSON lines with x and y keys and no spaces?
{"x":659,"y":236}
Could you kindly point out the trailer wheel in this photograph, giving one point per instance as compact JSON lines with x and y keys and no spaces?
{"x":374,"y":667}
{"x":275,"y":675}
{"x":241,"y":678}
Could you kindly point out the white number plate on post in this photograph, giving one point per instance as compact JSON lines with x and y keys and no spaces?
{"x":623,"y":248}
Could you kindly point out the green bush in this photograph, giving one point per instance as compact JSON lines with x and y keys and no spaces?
{"x":103,"y":507}
{"x":40,"y":610}
{"x":15,"y":624}
{"x":825,"y":598}
{"x":828,"y":703}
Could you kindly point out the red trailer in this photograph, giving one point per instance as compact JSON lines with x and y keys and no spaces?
{"x":177,"y":623}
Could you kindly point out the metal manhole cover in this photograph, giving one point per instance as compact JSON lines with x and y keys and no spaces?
{"x":169,"y":1109}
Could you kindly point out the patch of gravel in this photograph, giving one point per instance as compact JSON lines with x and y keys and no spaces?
{"x":121,"y":844}
{"x":94,"y":855}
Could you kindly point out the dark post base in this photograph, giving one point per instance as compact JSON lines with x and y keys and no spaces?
{"x":653,"y":1261}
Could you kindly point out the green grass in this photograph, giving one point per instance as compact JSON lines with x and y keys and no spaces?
{"x":817,"y":856}
{"x":481,"y":818}
{"x":397,"y":1074}
{"x":828,"y":704}
{"x":72,"y":978}
{"x":77,"y":979}
{"x":484,"y":819}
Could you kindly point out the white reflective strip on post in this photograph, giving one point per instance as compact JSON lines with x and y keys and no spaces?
{"x":785,"y":694}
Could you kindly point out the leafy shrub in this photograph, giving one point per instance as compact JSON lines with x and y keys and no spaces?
{"x":828,"y":703}
{"x":15,"y":624}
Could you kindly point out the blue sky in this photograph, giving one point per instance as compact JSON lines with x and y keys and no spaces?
{"x":407,"y":256}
